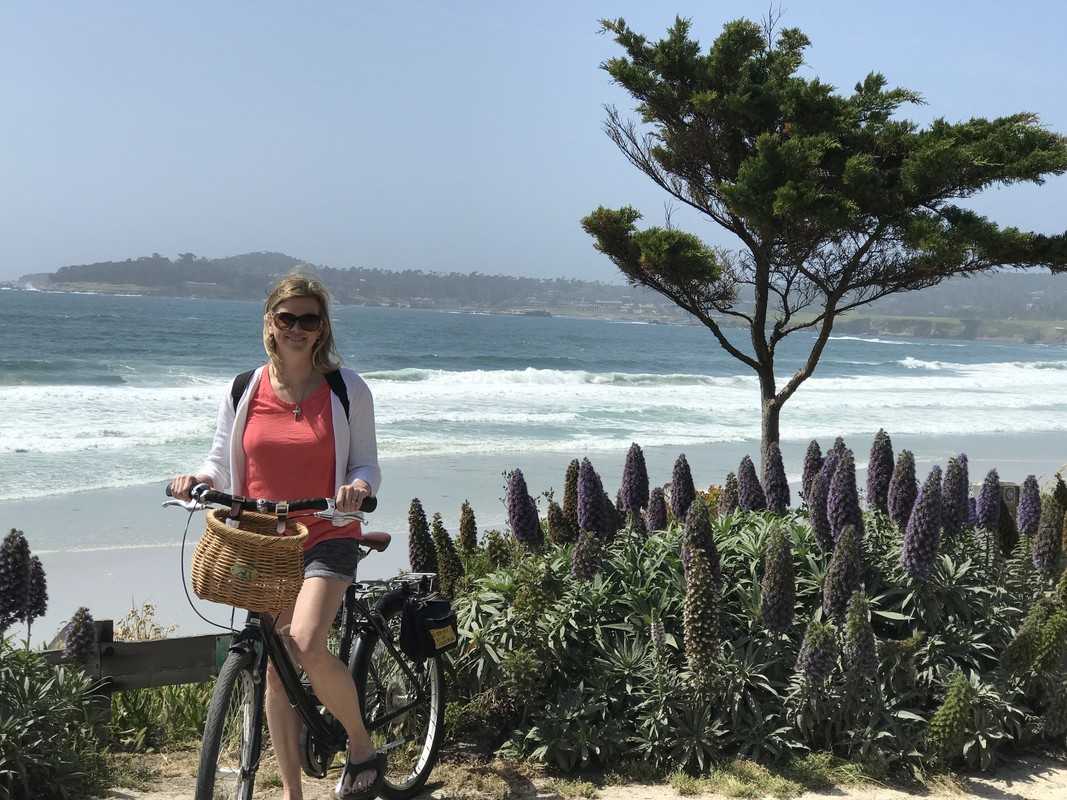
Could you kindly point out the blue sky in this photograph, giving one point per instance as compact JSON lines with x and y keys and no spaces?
{"x":444,"y":136}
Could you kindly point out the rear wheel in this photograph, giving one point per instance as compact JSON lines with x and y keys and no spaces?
{"x":411,"y":739}
{"x":226,"y":755}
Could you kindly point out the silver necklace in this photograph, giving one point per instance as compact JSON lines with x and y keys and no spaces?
{"x":297,"y":411}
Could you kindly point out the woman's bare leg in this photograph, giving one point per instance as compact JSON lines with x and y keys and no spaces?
{"x":316,"y":607}
{"x":284,"y":725}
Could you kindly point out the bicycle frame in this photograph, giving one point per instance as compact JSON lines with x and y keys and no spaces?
{"x":259,"y":637}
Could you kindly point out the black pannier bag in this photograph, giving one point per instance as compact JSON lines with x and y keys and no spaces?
{"x":427,"y":628}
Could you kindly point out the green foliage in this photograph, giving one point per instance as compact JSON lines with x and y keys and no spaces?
{"x":50,"y":746}
{"x":642,"y":658}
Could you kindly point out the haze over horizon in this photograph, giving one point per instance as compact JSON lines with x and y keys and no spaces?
{"x":417,"y":136}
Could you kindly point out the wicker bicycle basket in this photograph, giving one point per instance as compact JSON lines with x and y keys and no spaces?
{"x":250,"y":567}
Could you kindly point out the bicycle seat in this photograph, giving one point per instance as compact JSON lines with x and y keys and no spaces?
{"x":375,"y":540}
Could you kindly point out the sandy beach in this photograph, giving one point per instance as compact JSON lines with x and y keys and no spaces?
{"x":113,"y":549}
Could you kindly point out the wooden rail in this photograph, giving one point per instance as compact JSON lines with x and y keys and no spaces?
{"x":160,"y":662}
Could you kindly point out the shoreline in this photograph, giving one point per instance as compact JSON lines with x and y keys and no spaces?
{"x":110,"y":549}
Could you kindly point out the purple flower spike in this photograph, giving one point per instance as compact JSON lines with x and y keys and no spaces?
{"x":988,"y":506}
{"x":902,"y":490}
{"x":777,"y":487}
{"x":843,"y":504}
{"x":751,"y":496}
{"x":1029,"y":512}
{"x":923,"y":535}
{"x":591,"y":515}
{"x":634,"y":480}
{"x":880,"y":472}
{"x":812,"y":464}
{"x":522,"y":511}
{"x":682,"y":490}
{"x":953,"y":500}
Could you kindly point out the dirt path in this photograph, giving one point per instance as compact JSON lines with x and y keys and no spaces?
{"x":1027,"y":779}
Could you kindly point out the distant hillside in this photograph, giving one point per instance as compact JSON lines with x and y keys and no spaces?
{"x":1000,"y":296}
{"x":249,"y":274}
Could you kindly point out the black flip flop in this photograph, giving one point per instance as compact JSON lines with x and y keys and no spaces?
{"x":376,"y":763}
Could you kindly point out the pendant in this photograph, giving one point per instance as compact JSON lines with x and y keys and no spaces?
{"x":296,"y":413}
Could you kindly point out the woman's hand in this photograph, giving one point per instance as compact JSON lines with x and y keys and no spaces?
{"x":350,"y":496}
{"x":181,"y":485}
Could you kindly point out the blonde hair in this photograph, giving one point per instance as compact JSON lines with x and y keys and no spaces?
{"x":324,"y":357}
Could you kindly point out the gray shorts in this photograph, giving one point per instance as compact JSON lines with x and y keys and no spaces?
{"x":333,"y":558}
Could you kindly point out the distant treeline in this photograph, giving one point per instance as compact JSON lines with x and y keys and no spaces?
{"x":249,"y":274}
{"x":1004,"y":295}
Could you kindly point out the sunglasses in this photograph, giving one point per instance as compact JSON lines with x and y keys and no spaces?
{"x":307,"y":322}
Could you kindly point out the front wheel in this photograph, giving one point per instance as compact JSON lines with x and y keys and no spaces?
{"x":410,"y":739}
{"x":227,"y":755}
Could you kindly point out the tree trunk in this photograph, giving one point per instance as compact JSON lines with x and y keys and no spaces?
{"x":770,"y":410}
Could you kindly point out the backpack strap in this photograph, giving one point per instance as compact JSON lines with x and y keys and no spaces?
{"x":240,"y":383}
{"x":337,"y":386}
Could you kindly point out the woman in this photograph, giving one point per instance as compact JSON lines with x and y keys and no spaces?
{"x":289,"y":438}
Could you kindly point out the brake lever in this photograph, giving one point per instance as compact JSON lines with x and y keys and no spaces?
{"x":188,"y":505}
{"x":339,"y":518}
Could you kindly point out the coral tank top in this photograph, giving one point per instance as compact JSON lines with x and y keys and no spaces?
{"x":293,"y":459}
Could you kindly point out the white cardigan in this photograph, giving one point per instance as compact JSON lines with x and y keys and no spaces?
{"x":355,"y":444}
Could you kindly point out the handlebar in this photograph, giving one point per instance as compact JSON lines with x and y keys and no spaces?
{"x":203,"y":495}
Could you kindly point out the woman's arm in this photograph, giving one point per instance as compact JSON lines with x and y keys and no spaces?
{"x":363,"y":446}
{"x":217,"y":464}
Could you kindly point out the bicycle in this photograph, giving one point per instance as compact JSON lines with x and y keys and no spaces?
{"x":402,"y":700}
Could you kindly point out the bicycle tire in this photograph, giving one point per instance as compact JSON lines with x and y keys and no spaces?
{"x":235,"y":694}
{"x":399,"y":782}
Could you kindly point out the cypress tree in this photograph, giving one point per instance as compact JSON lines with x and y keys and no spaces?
{"x":774,"y":480}
{"x":903,"y":490}
{"x":880,"y":472}
{"x":750,"y":492}
{"x":682,"y":490}
{"x":812,"y":464}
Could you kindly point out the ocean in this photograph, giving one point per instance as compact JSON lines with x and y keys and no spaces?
{"x":105,"y":397}
{"x":109,"y":391}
